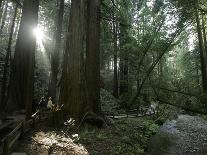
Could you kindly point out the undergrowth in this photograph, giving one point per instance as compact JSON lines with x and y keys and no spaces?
{"x":129,"y":136}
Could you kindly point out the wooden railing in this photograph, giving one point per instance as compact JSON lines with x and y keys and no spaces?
{"x":21,"y":128}
{"x":24,"y":126}
{"x":11,"y":138}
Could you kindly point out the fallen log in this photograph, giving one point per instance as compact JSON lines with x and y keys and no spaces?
{"x":176,"y":91}
{"x":194,"y":110}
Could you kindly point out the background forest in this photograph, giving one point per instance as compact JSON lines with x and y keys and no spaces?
{"x":103,"y":57}
{"x":148,"y":49}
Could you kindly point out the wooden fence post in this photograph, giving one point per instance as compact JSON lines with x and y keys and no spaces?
{"x":6,"y":147}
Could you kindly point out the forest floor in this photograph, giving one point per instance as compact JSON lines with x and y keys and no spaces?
{"x":125,"y":136}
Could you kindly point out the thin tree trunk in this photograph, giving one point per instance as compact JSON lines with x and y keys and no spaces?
{"x":0,"y":3}
{"x":123,"y":62}
{"x":5,"y":73}
{"x":1,"y":9}
{"x":202,"y":53}
{"x":93,"y":55}
{"x":102,"y":65}
{"x":22,"y":80}
{"x":204,"y":35}
{"x":167,"y":47}
{"x":55,"y":55}
{"x":18,"y":24}
{"x":198,"y":78}
{"x":115,"y":89}
{"x":124,"y":74}
{"x":4,"y":16}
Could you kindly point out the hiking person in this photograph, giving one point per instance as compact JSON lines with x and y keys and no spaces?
{"x":49,"y":104}
{"x":42,"y":103}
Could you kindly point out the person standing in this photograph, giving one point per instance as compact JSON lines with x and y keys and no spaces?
{"x":49,"y":104}
{"x":42,"y":103}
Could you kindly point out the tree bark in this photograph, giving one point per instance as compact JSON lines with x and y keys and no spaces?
{"x":202,"y":53}
{"x":0,"y":3}
{"x":72,"y":91}
{"x":93,"y":55}
{"x":55,"y":55}
{"x":115,"y":89}
{"x":22,"y":79}
{"x":8,"y":54}
{"x":1,"y":9}
{"x":204,"y":35}
{"x":4,"y":16}
{"x":123,"y":64}
{"x":3,"y":2}
{"x":17,"y":25}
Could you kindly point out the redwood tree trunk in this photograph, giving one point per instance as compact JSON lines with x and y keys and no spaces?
{"x":72,"y":91}
{"x":204,"y":34}
{"x":22,"y":80}
{"x":93,"y":55}
{"x":6,"y":65}
{"x":123,"y":61}
{"x":202,"y":53}
{"x":55,"y":54}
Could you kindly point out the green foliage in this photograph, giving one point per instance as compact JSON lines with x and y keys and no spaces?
{"x":109,"y":103}
{"x":127,"y":136}
{"x":151,"y":128}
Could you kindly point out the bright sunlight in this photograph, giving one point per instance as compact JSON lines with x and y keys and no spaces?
{"x":38,"y":32}
{"x":40,"y":38}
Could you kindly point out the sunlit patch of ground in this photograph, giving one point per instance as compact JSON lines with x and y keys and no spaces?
{"x":43,"y":143}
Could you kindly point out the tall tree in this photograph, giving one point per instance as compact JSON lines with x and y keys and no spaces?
{"x":55,"y":55}
{"x":123,"y":59}
{"x":0,"y":3}
{"x":8,"y":54}
{"x":72,"y":91}
{"x":22,"y":80}
{"x":115,"y":42}
{"x":93,"y":55}
{"x":201,"y":49}
{"x":124,"y":37}
{"x":4,"y":15}
{"x":204,"y":33}
{"x":1,"y":9}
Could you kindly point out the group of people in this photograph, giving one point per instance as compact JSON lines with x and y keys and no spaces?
{"x":44,"y":104}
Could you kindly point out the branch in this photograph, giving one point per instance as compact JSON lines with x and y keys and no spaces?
{"x":203,"y":11}
{"x":149,"y":45}
{"x":167,"y":47}
{"x":175,"y":91}
{"x":115,"y":6}
{"x":18,"y":3}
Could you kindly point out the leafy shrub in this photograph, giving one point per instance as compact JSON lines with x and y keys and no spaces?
{"x":151,"y":127}
{"x":108,"y":102}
